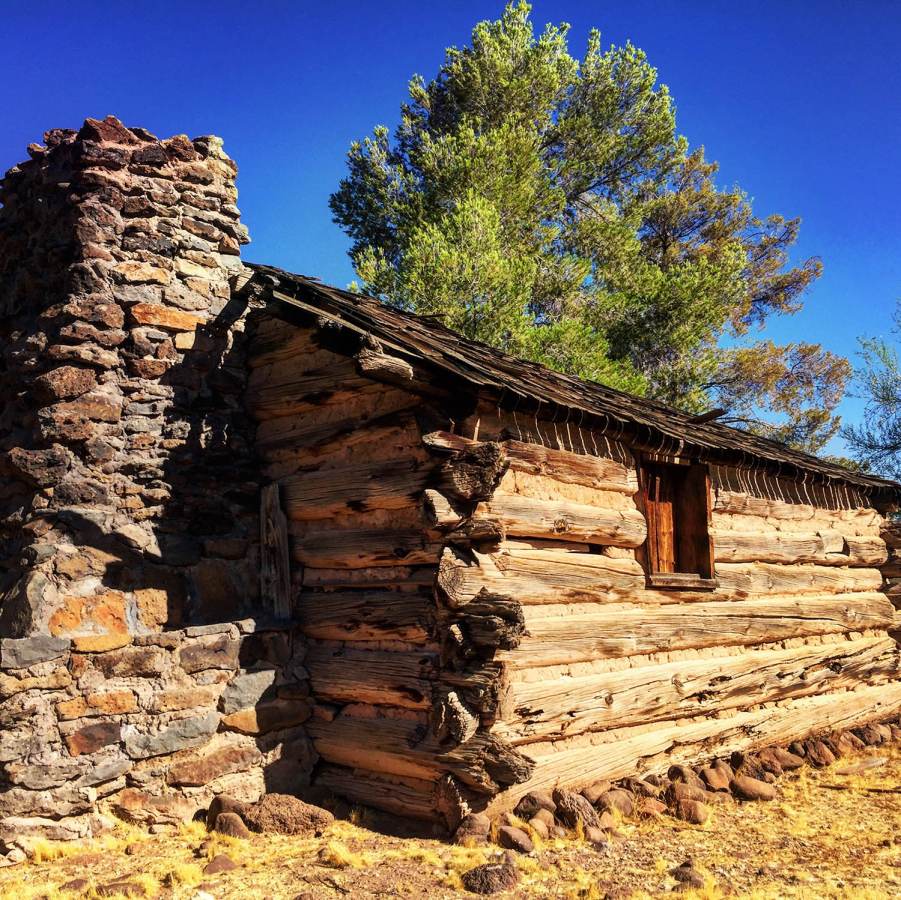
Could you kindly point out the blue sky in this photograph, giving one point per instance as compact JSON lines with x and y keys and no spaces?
{"x":799,"y":101}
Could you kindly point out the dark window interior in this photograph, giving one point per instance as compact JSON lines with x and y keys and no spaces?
{"x":678,"y":552}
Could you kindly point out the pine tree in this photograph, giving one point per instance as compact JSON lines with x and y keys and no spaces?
{"x":548,"y":206}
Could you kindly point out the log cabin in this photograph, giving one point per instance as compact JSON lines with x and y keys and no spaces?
{"x":510,"y":579}
{"x":257,"y":532}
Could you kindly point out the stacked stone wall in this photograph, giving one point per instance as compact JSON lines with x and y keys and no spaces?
{"x":129,"y":490}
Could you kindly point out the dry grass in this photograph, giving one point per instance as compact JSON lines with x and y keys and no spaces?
{"x":829,"y":835}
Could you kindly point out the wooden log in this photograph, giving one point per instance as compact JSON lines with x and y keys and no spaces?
{"x":393,"y":437}
{"x":372,"y":361}
{"x":866,"y":551}
{"x":275,"y":563}
{"x":538,"y":575}
{"x":547,"y":487}
{"x":394,"y":484}
{"x":334,"y":414}
{"x":534,"y":573}
{"x":366,"y":615}
{"x":473,"y":473}
{"x":527,"y":517}
{"x":273,"y":341}
{"x":365,"y":548}
{"x":570,"y":633}
{"x":382,"y":678}
{"x":486,"y":623}
{"x":744,"y":579}
{"x":409,"y":798}
{"x":575,"y":468}
{"x":621,"y":752}
{"x":376,"y":577}
{"x":407,"y":748}
{"x":561,"y":706}
{"x":828,"y":547}
{"x":277,"y":390}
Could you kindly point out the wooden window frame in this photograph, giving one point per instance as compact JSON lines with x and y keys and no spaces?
{"x":690,"y":520}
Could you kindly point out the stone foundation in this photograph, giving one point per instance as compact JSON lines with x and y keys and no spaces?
{"x":130,"y":494}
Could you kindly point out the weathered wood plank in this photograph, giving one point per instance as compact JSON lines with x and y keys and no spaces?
{"x":364,"y":548}
{"x":406,"y":747}
{"x":275,"y":562}
{"x":533,"y":575}
{"x":334,"y":414}
{"x":557,"y":707}
{"x":345,"y":675}
{"x":376,"y":577}
{"x":366,"y":615}
{"x":826,"y":548}
{"x":406,"y":797}
{"x":527,"y":517}
{"x":583,"y":631}
{"x":745,"y":579}
{"x":539,"y":574}
{"x":392,"y":484}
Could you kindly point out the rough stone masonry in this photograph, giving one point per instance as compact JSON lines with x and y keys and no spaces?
{"x":132,"y":677}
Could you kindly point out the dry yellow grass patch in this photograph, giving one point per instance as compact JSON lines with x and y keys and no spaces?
{"x":828,"y":836}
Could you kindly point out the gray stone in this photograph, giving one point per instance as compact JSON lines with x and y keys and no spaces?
{"x":20,"y":653}
{"x":45,"y":771}
{"x":246,"y":690}
{"x":178,"y":736}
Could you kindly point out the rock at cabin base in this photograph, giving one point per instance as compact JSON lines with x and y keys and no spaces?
{"x":617,"y":800}
{"x":512,"y":838}
{"x":532,"y":802}
{"x":746,"y":788}
{"x":573,"y":808}
{"x":595,"y":791}
{"x":686,"y":775}
{"x":788,"y":761}
{"x":693,"y":811}
{"x":818,"y":754}
{"x":474,"y":827}
{"x":716,"y":779}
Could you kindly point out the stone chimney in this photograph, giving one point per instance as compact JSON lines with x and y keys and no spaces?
{"x":129,"y":500}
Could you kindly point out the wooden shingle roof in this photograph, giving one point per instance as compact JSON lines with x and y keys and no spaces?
{"x":426,"y":342}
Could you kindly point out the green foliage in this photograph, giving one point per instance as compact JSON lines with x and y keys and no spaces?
{"x":547,"y":206}
{"x":876,"y":442}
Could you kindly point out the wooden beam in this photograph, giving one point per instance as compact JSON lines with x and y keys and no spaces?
{"x":275,"y":563}
{"x":554,"y":707}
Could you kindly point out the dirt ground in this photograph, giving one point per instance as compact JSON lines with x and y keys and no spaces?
{"x":832,"y":833}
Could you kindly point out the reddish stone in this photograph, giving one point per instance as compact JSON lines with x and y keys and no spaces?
{"x":693,"y":811}
{"x":217,"y":652}
{"x":109,"y":130}
{"x":746,"y":788}
{"x":63,"y":383}
{"x":202,"y":769}
{"x":92,"y":737}
{"x":717,"y":779}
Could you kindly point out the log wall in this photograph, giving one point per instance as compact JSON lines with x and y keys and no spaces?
{"x":478,"y":618}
